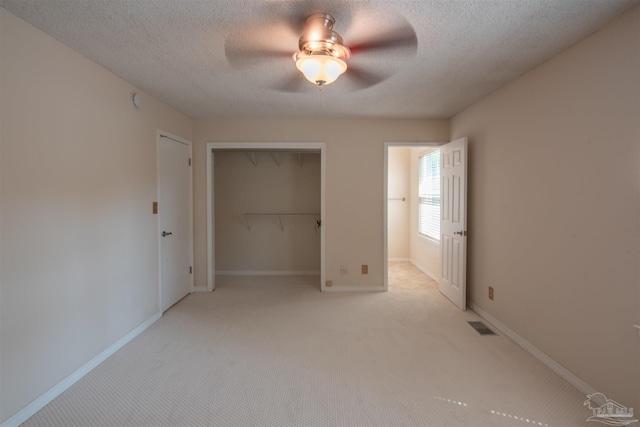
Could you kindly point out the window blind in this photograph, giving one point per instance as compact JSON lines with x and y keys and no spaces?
{"x":429,"y":195}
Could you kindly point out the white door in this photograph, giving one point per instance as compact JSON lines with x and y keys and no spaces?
{"x":453,"y":221}
{"x":174,"y":210}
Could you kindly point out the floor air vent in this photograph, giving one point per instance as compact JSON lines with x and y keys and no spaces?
{"x":481,"y":328}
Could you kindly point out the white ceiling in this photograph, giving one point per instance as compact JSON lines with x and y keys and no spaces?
{"x":177,"y":50}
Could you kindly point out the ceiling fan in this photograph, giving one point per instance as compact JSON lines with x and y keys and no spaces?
{"x":322,"y":55}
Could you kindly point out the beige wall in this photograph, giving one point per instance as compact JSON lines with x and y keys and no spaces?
{"x":354,"y":174}
{"x":554,"y":207}
{"x":424,"y":253}
{"x":79,"y":244}
{"x":290,"y":187}
{"x":398,"y":211}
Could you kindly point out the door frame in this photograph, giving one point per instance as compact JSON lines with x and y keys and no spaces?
{"x":385,"y":201}
{"x":299,"y":146}
{"x":163,"y":134}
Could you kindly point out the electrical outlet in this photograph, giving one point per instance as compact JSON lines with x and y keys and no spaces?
{"x":365,"y":269}
{"x":490,"y":293}
{"x":343,"y":270}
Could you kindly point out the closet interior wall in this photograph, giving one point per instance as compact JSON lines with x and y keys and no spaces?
{"x":267,"y":212}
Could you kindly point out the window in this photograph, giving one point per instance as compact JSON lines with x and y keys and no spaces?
{"x":429,"y":195}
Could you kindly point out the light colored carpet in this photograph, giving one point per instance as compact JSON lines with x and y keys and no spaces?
{"x":274,"y":351}
{"x":404,"y":276}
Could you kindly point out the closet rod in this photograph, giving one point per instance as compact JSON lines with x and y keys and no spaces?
{"x":282,"y":214}
{"x":398,"y":198}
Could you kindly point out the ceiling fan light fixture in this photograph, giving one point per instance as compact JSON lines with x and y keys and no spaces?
{"x":321,"y":69}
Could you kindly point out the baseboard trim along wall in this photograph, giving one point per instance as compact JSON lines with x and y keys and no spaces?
{"x":424,"y":270}
{"x":267,"y":272}
{"x":200,"y":289}
{"x":354,"y":288}
{"x":28,"y":411}
{"x":564,"y":373}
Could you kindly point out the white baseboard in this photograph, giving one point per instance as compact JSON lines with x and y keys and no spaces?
{"x":563,"y":372}
{"x":200,"y":289}
{"x":398,"y":259}
{"x":425,"y":270}
{"x":354,"y":288}
{"x":267,"y":272}
{"x":28,"y":411}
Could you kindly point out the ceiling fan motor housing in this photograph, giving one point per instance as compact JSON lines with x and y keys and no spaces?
{"x":319,"y":38}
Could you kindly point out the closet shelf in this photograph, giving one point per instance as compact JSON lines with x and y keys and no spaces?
{"x":280,"y":215}
{"x":275,"y":155}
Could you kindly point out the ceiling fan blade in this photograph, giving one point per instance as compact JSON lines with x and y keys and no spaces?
{"x":294,"y":84}
{"x":252,"y":46}
{"x":243,"y":57}
{"x":361,"y":79}
{"x":402,"y":38}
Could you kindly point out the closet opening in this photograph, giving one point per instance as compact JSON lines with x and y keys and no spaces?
{"x":265,"y":210}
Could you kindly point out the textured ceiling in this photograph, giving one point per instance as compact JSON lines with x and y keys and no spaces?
{"x":179,"y":50}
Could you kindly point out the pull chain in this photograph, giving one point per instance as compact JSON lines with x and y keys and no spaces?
{"x":320,"y":91}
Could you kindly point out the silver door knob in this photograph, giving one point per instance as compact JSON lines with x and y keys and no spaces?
{"x":461,"y":233}
{"x":165,"y":234}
